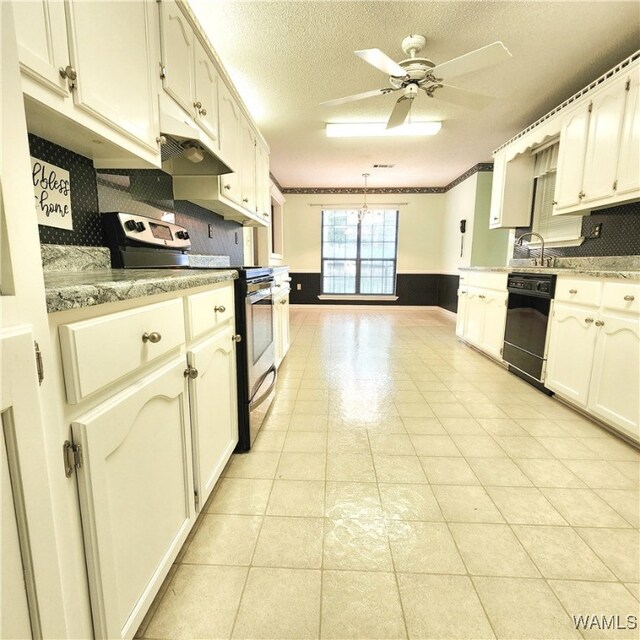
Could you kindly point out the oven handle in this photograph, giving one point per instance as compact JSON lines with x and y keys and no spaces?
{"x":255,"y":287}
{"x":253,"y":403}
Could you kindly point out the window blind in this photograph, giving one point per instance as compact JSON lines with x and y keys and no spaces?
{"x":562,"y":228}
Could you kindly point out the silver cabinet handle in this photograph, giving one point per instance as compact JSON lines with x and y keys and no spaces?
{"x":227,"y":186}
{"x":221,"y":308}
{"x":245,"y":199}
{"x":265,"y":215}
{"x":203,"y":112}
{"x":153,"y":337}
{"x":283,"y":302}
{"x":197,"y":105}
{"x":573,"y":291}
{"x":599,"y":323}
{"x":482,"y":296}
{"x":237,"y":338}
{"x":462,"y":293}
{"x":191,"y":372}
{"x":588,"y":320}
{"x":629,"y":298}
{"x":278,"y":285}
{"x":68,"y":73}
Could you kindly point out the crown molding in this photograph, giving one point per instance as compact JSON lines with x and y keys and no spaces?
{"x":481,"y":166}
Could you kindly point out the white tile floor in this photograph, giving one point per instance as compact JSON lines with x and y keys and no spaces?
{"x":406,"y":486}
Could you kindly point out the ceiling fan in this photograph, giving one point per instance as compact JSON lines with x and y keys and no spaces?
{"x":420,"y":74}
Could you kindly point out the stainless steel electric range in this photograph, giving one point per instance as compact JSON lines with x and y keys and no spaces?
{"x":138,"y":242}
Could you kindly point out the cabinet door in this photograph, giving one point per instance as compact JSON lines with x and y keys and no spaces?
{"x":214,"y":417}
{"x":629,"y":161}
{"x":603,"y":143}
{"x":497,"y":190}
{"x":474,"y":317}
{"x":177,"y":40}
{"x":230,"y":143}
{"x":263,"y":186}
{"x":461,"y":312}
{"x":117,"y":85}
{"x":286,"y":328}
{"x":573,"y":145}
{"x":615,"y":381}
{"x":206,"y":92}
{"x":136,"y":495}
{"x":277,"y":330}
{"x":572,"y":341}
{"x":41,"y":31}
{"x":248,"y":167}
{"x":495,"y":313}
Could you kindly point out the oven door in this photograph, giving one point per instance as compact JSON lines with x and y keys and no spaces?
{"x":525,"y":332}
{"x":260,"y":346}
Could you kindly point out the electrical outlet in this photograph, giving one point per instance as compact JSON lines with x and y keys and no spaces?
{"x":597,"y":230}
{"x":211,"y":231}
{"x":298,"y":287}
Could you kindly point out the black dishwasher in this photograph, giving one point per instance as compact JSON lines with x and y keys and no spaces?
{"x":525,"y":333}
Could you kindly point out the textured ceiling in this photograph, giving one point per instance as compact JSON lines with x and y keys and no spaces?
{"x":287,"y":57}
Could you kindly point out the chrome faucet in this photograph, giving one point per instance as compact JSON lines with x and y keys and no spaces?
{"x":533,"y":233}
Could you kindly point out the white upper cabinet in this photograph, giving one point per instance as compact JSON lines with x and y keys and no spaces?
{"x":598,"y":164}
{"x":248,"y":166}
{"x":629,"y":161}
{"x":177,"y":40}
{"x":99,"y":102}
{"x":189,"y":74}
{"x":263,"y":183}
{"x":42,"y":40}
{"x":206,"y":92}
{"x":118,"y":88}
{"x":511,"y":191}
{"x":573,"y":147}
{"x":603,"y":143}
{"x":230,"y":145}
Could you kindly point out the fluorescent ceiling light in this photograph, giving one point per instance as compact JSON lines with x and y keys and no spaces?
{"x":371,"y":129}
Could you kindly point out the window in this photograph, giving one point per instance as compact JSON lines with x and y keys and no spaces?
{"x":556,"y":229}
{"x":359,"y":257}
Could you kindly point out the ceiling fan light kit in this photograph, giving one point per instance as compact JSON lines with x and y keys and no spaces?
{"x":380,"y":129}
{"x":420,"y":74}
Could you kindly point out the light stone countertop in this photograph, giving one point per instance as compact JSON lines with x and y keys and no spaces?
{"x":563,"y":271}
{"x":76,"y":289}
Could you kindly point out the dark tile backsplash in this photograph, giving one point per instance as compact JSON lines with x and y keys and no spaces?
{"x":145,"y":192}
{"x":620,"y":235}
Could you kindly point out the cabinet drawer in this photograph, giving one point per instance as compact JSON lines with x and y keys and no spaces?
{"x":621,"y":296}
{"x":588,"y":292}
{"x":210,"y":309}
{"x":488,"y":280}
{"x":102,"y":350}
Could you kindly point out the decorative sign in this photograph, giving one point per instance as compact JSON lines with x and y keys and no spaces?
{"x":52,"y":190}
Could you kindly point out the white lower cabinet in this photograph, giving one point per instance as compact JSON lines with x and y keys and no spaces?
{"x":136,"y":495}
{"x":613,"y":395}
{"x":483,"y":317}
{"x":152,"y":438}
{"x":572,"y":343}
{"x":281,"y":328}
{"x":461,"y":312}
{"x":594,"y":356}
{"x":214,"y":417}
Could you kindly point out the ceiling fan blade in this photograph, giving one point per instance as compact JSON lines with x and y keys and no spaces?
{"x":461,"y":97}
{"x":382,"y":61}
{"x":357,"y":96}
{"x":472,"y":61}
{"x":400,"y":112}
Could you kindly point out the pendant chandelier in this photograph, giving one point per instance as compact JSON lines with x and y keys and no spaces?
{"x":364,"y":209}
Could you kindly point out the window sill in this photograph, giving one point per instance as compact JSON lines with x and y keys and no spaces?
{"x":372,"y":298}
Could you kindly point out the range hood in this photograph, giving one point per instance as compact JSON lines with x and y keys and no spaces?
{"x":186,"y":150}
